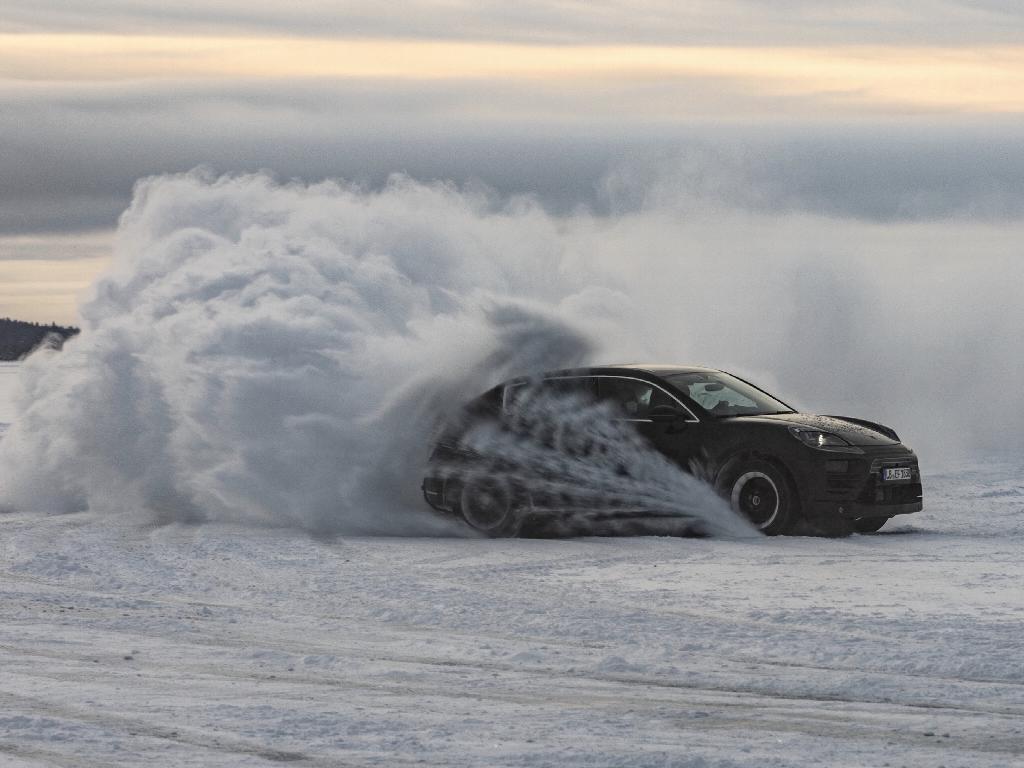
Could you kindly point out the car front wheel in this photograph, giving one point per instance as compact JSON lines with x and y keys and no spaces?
{"x":762,"y":494}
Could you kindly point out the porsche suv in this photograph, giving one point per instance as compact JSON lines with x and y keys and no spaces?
{"x":784,"y":471}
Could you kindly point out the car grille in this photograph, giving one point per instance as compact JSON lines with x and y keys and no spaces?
{"x":876,"y":491}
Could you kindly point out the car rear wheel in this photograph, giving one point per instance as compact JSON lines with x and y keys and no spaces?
{"x":761,"y":493}
{"x":492,"y":506}
{"x":869,"y":524}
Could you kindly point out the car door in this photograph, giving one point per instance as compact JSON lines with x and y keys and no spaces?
{"x":644,"y":405}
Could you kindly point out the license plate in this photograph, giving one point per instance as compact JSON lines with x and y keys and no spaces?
{"x":896,"y":473}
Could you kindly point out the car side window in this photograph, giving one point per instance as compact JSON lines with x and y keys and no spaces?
{"x":582,"y":388}
{"x":633,"y":398}
{"x":579,"y":387}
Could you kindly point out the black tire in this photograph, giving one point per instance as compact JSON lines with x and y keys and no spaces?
{"x":492,"y":506}
{"x":869,"y":524}
{"x":760,"y":491}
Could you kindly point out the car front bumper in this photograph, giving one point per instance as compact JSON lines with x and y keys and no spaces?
{"x":850,"y":486}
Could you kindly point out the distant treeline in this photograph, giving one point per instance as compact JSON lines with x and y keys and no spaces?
{"x":18,"y":338}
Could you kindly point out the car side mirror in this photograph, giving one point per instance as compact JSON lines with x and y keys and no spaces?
{"x":665,"y":413}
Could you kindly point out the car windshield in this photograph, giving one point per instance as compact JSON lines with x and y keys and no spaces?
{"x":723,"y":395}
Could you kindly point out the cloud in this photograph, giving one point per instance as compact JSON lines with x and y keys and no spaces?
{"x":76,"y":152}
{"x":881,"y":172}
{"x":876,"y":78}
{"x":705,"y":22}
{"x":76,"y":246}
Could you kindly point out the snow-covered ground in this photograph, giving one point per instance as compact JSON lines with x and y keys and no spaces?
{"x":216,"y":645}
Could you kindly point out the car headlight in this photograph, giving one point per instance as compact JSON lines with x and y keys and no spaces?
{"x":823,"y":441}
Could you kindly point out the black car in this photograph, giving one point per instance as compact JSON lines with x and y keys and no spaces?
{"x":785,"y":471}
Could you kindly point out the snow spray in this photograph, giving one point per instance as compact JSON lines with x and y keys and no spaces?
{"x":572,"y":464}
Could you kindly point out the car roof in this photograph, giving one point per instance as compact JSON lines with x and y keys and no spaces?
{"x":655,"y":369}
{"x":662,"y":369}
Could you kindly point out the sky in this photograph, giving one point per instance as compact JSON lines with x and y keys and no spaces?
{"x":878,"y":113}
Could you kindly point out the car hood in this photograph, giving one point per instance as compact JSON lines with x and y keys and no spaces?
{"x":853,"y":431}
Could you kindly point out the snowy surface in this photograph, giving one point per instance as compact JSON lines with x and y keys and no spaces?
{"x":217,"y":645}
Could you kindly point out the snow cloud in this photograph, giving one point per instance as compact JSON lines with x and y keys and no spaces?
{"x":280,"y":354}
